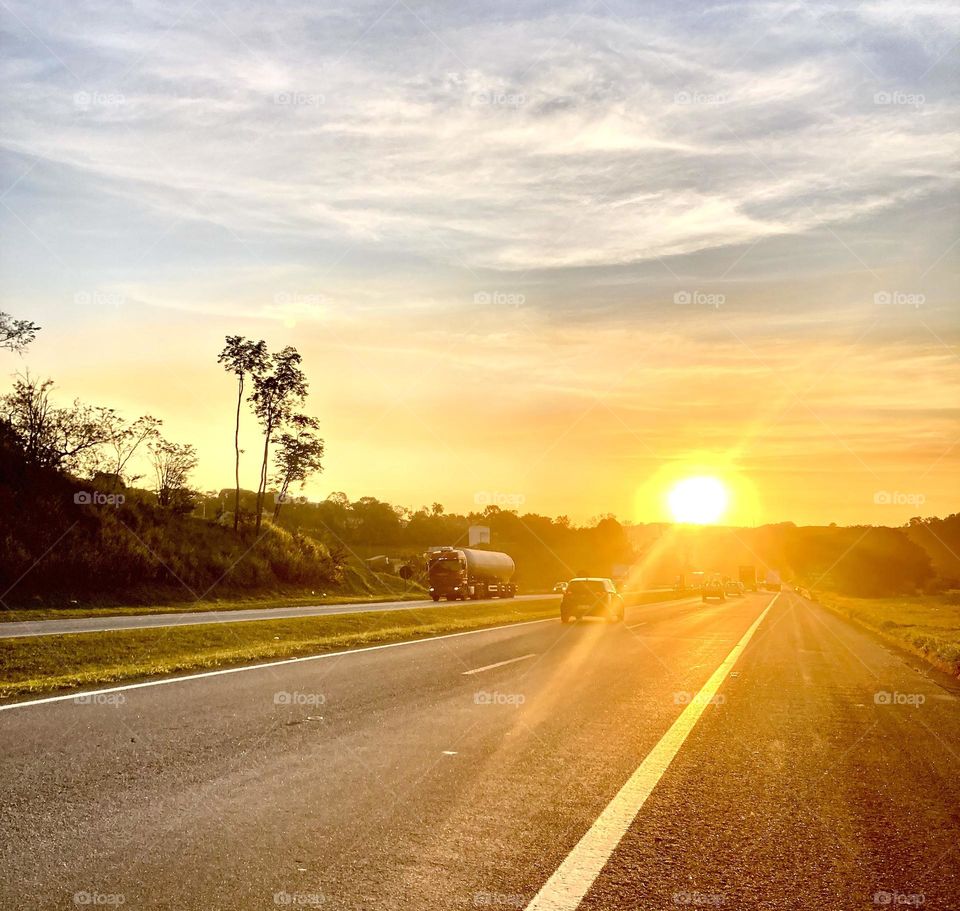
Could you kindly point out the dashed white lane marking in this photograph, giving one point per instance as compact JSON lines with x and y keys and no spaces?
{"x":565,"y":889}
{"x":490,"y":667}
{"x":256,"y":667}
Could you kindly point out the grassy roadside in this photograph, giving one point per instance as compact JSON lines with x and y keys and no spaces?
{"x":46,"y":664}
{"x":34,"y":666}
{"x":925,"y":625}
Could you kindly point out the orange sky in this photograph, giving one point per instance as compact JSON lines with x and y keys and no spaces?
{"x":575,"y":420}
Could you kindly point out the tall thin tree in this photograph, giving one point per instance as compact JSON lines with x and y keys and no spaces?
{"x":242,"y":357}
{"x":276,"y":394}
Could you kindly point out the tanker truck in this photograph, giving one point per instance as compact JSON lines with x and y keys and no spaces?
{"x":459,"y":573}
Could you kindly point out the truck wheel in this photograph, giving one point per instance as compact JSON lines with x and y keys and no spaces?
{"x":435,"y":597}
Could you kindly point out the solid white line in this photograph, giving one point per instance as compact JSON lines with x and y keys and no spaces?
{"x":565,"y":889}
{"x":257,"y":667}
{"x":490,"y":667}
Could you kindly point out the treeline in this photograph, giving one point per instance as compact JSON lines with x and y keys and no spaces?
{"x":860,"y":560}
{"x":546,"y":550}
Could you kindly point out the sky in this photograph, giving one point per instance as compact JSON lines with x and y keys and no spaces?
{"x":554,"y":256}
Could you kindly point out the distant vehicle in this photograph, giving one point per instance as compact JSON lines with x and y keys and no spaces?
{"x":461,"y":573}
{"x":748,"y":577}
{"x":591,"y":598}
{"x":772,"y":581}
{"x":688,"y":581}
{"x":559,"y":588}
{"x":733,"y":587}
{"x":713,"y":588}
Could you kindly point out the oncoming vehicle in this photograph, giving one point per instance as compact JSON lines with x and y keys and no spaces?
{"x":591,"y":598}
{"x":459,"y":573}
{"x":559,"y":588}
{"x":713,"y":588}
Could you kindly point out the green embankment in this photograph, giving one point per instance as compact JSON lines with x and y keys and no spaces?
{"x":926,"y":625}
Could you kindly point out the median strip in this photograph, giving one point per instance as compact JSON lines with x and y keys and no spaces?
{"x":565,"y":889}
{"x":35,"y":666}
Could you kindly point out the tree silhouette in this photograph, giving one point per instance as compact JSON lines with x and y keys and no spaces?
{"x":16,"y":334}
{"x":241,"y":356}
{"x":276,"y":392}
{"x":298,"y":456}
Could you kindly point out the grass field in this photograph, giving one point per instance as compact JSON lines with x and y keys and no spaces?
{"x":927,"y":625}
{"x":45,"y":664}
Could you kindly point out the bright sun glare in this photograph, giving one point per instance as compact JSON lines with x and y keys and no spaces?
{"x":700,"y":501}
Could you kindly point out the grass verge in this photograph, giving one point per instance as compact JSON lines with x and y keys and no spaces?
{"x":46,"y":664}
{"x":71,"y":613}
{"x":925,"y":625}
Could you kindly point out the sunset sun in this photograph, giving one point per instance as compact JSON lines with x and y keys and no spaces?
{"x":698,"y":501}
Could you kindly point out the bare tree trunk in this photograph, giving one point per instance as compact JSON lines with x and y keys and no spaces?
{"x":282,"y":498}
{"x":262,"y":489}
{"x":236,"y":448}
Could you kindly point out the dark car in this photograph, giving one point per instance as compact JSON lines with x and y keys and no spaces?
{"x":713,"y":588}
{"x":591,"y":598}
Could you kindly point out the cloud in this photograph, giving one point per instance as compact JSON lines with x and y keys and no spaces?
{"x":564,"y":140}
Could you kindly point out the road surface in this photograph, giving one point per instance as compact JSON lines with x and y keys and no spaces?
{"x":761,"y":753}
{"x":27,"y":628}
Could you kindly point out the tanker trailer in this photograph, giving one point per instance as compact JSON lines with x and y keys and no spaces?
{"x":458,"y":573}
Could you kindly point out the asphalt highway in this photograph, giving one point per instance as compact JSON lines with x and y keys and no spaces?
{"x":761,"y":753}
